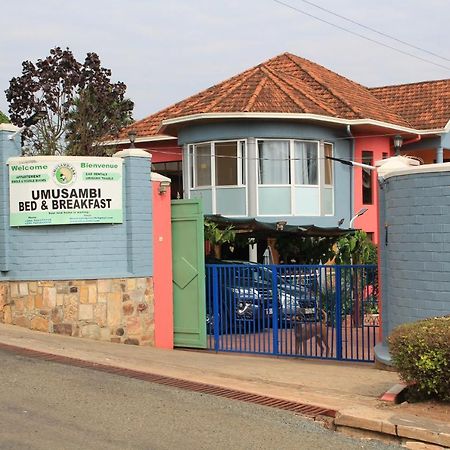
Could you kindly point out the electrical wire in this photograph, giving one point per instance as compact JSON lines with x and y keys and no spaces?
{"x":376,"y":31}
{"x":287,"y":5}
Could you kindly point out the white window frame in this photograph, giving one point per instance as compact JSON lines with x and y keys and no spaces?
{"x":242,"y":171}
{"x":320,"y":176}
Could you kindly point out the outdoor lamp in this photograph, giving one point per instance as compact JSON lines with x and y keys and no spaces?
{"x":398,"y":141}
{"x":132,"y":138}
{"x":359,"y":213}
{"x":163,"y":186}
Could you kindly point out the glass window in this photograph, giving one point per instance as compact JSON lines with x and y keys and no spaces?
{"x":243,"y":162}
{"x":328,"y":149}
{"x":226,"y":163}
{"x":367,"y":191}
{"x":306,"y":168}
{"x":274,"y":162}
{"x":202,"y":165}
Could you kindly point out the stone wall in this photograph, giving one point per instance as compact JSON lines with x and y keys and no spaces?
{"x":118,"y":310}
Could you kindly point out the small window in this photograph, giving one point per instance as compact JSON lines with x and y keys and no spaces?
{"x":384,"y":155}
{"x":328,"y":150}
{"x":202,"y":165}
{"x":367,"y":189}
{"x":274,"y":167}
{"x":306,"y":167}
{"x":226,"y":163}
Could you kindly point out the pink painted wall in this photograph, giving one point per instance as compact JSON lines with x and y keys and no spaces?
{"x":162,"y":151}
{"x":377,"y":145}
{"x":162,"y":268}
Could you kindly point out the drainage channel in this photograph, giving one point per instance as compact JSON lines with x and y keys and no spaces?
{"x":203,"y":388}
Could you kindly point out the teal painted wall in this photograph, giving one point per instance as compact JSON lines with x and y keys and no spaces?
{"x":80,"y":251}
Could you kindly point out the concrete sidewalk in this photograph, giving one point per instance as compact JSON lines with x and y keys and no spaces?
{"x":351,"y":389}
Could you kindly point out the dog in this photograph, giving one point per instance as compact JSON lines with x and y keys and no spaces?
{"x":307,"y":330}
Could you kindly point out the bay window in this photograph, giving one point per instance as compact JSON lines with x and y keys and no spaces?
{"x":292,"y":177}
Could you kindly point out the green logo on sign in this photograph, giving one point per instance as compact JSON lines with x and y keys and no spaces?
{"x":64,"y":174}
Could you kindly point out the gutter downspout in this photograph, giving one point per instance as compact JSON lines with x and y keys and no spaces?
{"x":411,"y":141}
{"x":352,"y":157}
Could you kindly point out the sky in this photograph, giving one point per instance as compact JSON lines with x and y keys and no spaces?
{"x":165,"y":51}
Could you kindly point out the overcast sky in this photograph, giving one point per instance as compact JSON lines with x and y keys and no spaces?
{"x":167,"y":50}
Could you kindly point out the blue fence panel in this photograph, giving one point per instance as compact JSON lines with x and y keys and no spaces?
{"x":312,"y":311}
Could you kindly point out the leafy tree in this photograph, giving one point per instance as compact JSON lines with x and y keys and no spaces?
{"x":217,"y":237}
{"x":356,"y":249}
{"x":3,"y":118}
{"x":80,"y":102}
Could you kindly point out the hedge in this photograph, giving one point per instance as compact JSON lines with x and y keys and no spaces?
{"x":421,"y":354}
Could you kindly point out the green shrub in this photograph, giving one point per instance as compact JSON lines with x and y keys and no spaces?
{"x":421,"y":353}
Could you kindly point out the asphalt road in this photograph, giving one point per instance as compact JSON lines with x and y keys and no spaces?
{"x":49,"y":406}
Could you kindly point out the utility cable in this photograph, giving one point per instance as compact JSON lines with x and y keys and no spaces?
{"x":287,"y":5}
{"x":376,"y":31}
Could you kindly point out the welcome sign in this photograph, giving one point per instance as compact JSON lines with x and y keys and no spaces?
{"x":51,"y":190}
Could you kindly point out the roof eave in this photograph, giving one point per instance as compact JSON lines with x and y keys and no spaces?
{"x":174,"y":123}
{"x":149,"y":138}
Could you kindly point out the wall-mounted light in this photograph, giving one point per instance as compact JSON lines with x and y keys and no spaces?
{"x":132,"y":138}
{"x":398,"y":142}
{"x":163,"y":186}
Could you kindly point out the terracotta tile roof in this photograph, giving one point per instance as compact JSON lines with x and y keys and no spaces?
{"x":284,"y":84}
{"x":424,"y":105}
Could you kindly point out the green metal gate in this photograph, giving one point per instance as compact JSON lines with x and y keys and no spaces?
{"x":188,"y":274}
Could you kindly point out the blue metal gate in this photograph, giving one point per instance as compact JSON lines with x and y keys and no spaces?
{"x":312,"y":311}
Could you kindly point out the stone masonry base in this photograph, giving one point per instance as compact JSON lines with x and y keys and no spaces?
{"x":117,"y":310}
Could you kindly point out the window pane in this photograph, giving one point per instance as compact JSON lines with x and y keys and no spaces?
{"x":367,"y":191}
{"x":202,"y":158}
{"x":328,"y":165}
{"x":226,"y":163}
{"x":305,"y":154}
{"x":273,"y":162}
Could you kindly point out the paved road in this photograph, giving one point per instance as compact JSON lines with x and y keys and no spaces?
{"x":49,"y":406}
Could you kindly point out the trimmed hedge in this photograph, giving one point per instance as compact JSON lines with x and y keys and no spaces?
{"x":421,"y":354}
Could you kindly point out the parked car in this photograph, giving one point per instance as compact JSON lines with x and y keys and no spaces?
{"x":246,"y":302}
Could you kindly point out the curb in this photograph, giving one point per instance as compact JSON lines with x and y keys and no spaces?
{"x":400,"y":428}
{"x":392,"y":395}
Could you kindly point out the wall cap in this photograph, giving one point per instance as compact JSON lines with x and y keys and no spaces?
{"x":133,"y":152}
{"x":158,"y":177}
{"x":8,"y":127}
{"x":399,"y":168}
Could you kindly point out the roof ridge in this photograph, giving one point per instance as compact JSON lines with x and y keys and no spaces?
{"x":414,"y":83}
{"x":325,"y":86}
{"x":284,"y":79}
{"x":273,"y":77}
{"x":255,"y":94}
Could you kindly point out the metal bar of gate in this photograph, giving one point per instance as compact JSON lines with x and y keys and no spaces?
{"x":338,"y":314}
{"x":216,"y":319}
{"x":275,"y":309}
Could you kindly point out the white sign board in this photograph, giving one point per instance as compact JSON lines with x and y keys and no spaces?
{"x":53,"y":190}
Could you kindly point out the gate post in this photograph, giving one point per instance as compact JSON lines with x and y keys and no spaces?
{"x":338,"y":312}
{"x":216,"y":317}
{"x":275,"y":309}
